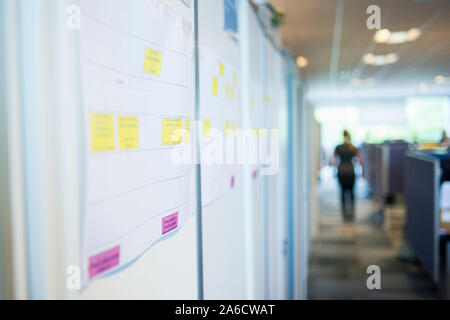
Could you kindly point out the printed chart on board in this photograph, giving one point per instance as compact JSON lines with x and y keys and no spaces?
{"x":222,"y":121}
{"x":137,"y":85}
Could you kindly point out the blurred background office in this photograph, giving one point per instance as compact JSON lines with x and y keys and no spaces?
{"x":390,"y":88}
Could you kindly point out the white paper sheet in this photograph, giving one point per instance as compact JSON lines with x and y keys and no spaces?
{"x":137,"y":69}
{"x":220,"y":100}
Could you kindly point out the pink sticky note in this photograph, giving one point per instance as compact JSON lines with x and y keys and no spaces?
{"x":255,"y":174}
{"x":169,"y":223}
{"x":103,"y":261}
{"x":232,"y":182}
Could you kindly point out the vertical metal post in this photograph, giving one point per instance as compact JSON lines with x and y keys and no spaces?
{"x":198,"y":176}
{"x":266,"y":178}
{"x":244,"y":33}
{"x":30,"y":22}
{"x":290,"y":184}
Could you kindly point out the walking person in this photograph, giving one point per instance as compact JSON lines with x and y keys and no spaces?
{"x":345,"y":155}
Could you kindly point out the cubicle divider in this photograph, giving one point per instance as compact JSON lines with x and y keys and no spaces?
{"x":380,"y":178}
{"x":422,"y":202}
{"x":396,"y":156}
{"x":384,"y":168}
{"x":369,"y":171}
{"x":97,"y":205}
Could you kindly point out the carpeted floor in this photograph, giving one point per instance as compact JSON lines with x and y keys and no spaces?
{"x":342,"y":252}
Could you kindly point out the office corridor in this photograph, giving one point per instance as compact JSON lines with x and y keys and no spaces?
{"x":343,"y":251}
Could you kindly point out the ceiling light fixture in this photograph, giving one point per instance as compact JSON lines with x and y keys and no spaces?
{"x":362,"y":82}
{"x":380,"y":60}
{"x":381,"y":36}
{"x":302,"y":62}
{"x":368,"y":58}
{"x":397,"y":37}
{"x":441,"y":79}
{"x":414,"y":34}
{"x":391,"y":58}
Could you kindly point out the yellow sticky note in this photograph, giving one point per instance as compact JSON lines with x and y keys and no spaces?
{"x":228,"y":91}
{"x":257,"y":132}
{"x":215,"y":86}
{"x":187,"y":131}
{"x":152,"y":62}
{"x":227,"y":129}
{"x":268,"y":99}
{"x":260,"y":132}
{"x":206,"y":128}
{"x":172,"y":131}
{"x":128,"y":128}
{"x":234,"y":78}
{"x":234,"y":128}
{"x":102,"y":132}
{"x":232,"y":93}
{"x":221,"y":68}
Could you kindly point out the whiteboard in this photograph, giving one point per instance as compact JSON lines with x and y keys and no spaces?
{"x":137,"y":84}
{"x":256,"y":120}
{"x":222,"y":187}
{"x":158,"y":262}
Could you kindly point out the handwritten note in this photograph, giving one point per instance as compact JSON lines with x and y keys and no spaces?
{"x":104,"y":261}
{"x":215,"y":86}
{"x":169,"y":223}
{"x":172,"y":131}
{"x":128,"y":132}
{"x":102,"y":132}
{"x":152,"y":61}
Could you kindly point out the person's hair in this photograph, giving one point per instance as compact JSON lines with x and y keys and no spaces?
{"x":347,"y":137}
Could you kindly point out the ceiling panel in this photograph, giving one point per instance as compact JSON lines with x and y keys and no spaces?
{"x":309,"y":28}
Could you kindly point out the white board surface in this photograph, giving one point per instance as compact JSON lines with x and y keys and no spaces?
{"x":137,"y":81}
{"x":222,"y":187}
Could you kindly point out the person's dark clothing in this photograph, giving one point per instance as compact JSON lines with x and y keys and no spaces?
{"x":346,"y":174}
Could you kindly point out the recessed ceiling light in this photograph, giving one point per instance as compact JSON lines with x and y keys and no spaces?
{"x":362,"y":82}
{"x":439,"y":79}
{"x":380,"y":60}
{"x":397,"y":37}
{"x":382,"y":36}
{"x":442,"y":80}
{"x":368,"y":58}
{"x":302,"y":62}
{"x":414,"y":34}
{"x":391,"y":58}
